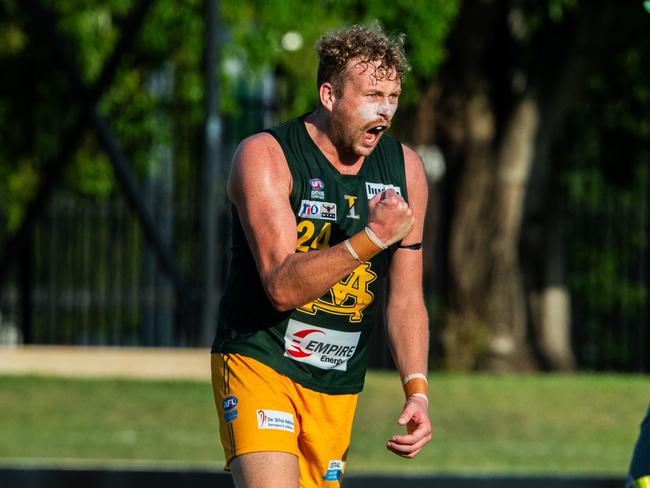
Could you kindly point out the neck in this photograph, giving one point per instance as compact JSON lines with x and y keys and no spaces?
{"x":318,"y":124}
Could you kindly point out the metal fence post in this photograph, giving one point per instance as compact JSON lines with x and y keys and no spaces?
{"x":211,"y":179}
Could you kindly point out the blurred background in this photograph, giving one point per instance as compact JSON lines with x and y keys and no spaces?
{"x":120,"y":119}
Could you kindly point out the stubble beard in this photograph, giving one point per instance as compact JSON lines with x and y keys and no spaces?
{"x":344,"y":139}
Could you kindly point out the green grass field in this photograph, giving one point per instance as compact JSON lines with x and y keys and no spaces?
{"x":573,"y":424}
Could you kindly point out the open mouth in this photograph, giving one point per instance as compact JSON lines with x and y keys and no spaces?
{"x":373,"y":133}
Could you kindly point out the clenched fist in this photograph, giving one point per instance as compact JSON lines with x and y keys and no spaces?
{"x":389,"y":217}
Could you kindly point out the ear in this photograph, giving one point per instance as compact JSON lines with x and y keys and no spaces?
{"x":327,"y":96}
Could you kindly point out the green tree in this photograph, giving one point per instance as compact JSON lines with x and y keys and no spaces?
{"x":606,"y":180}
{"x":256,"y":29}
{"x":517,"y":76}
{"x":41,"y":103}
{"x":526,"y":99}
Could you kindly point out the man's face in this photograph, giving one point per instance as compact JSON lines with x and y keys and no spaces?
{"x":364,"y":109}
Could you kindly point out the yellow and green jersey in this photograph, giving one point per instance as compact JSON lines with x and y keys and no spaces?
{"x":322,"y":344}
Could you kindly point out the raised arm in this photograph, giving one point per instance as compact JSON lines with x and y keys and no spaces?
{"x":407,"y":322}
{"x":259,"y":186}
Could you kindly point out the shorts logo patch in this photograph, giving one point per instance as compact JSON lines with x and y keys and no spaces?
{"x":230,"y":417}
{"x":275,"y":420}
{"x":323,"y":348}
{"x":317,"y":210}
{"x":334,"y":470}
{"x":229,"y":408}
{"x":230,"y":402}
{"x":373,"y":189}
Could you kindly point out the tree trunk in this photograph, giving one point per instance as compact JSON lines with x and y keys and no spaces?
{"x":549,"y":300}
{"x":504,"y":95}
{"x":487,"y":318}
{"x":548,"y":297}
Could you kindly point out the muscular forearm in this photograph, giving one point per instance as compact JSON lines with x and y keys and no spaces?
{"x":302,"y":277}
{"x":294,"y":279}
{"x":408,"y":337}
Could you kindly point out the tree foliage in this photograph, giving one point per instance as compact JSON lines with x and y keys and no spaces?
{"x":606,"y":180}
{"x":41,"y":103}
{"x":519,"y":73}
{"x":256,"y":29}
{"x":474,"y":64}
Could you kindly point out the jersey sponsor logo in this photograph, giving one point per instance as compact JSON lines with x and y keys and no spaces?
{"x":323,"y":348}
{"x":317,"y":210}
{"x":229,"y":409}
{"x":352,"y":201}
{"x":317,"y":184}
{"x":275,"y":420}
{"x":350,"y":296}
{"x":334,"y":470}
{"x":373,"y":189}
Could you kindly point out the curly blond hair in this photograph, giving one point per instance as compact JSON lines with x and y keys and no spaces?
{"x":335,"y":49}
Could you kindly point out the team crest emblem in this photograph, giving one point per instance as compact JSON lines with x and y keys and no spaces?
{"x":349,"y":297}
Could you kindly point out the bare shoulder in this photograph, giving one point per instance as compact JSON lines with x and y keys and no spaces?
{"x":260,"y":151}
{"x":258,"y":162}
{"x":406,"y":265}
{"x":416,"y":178}
{"x":260,"y":142}
{"x":412,"y":160}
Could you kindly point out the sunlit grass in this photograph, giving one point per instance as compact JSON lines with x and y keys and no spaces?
{"x":580,"y":424}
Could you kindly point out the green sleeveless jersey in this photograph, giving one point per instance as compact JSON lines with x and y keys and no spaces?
{"x":322,"y":344}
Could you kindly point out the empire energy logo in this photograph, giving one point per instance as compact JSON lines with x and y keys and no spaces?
{"x":323,"y":348}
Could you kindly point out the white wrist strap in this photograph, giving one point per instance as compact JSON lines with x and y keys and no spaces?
{"x":420,"y":395}
{"x":351,"y":249}
{"x":376,"y":240}
{"x":414,"y":376}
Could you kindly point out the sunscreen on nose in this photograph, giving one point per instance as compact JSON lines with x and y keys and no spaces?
{"x":388,"y":108}
{"x":370,"y":111}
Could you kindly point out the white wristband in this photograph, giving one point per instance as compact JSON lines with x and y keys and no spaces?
{"x":420,"y":395}
{"x":351,"y":250}
{"x":376,"y":240}
{"x":413,"y":376}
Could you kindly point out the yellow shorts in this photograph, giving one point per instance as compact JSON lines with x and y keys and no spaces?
{"x":262,"y":410}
